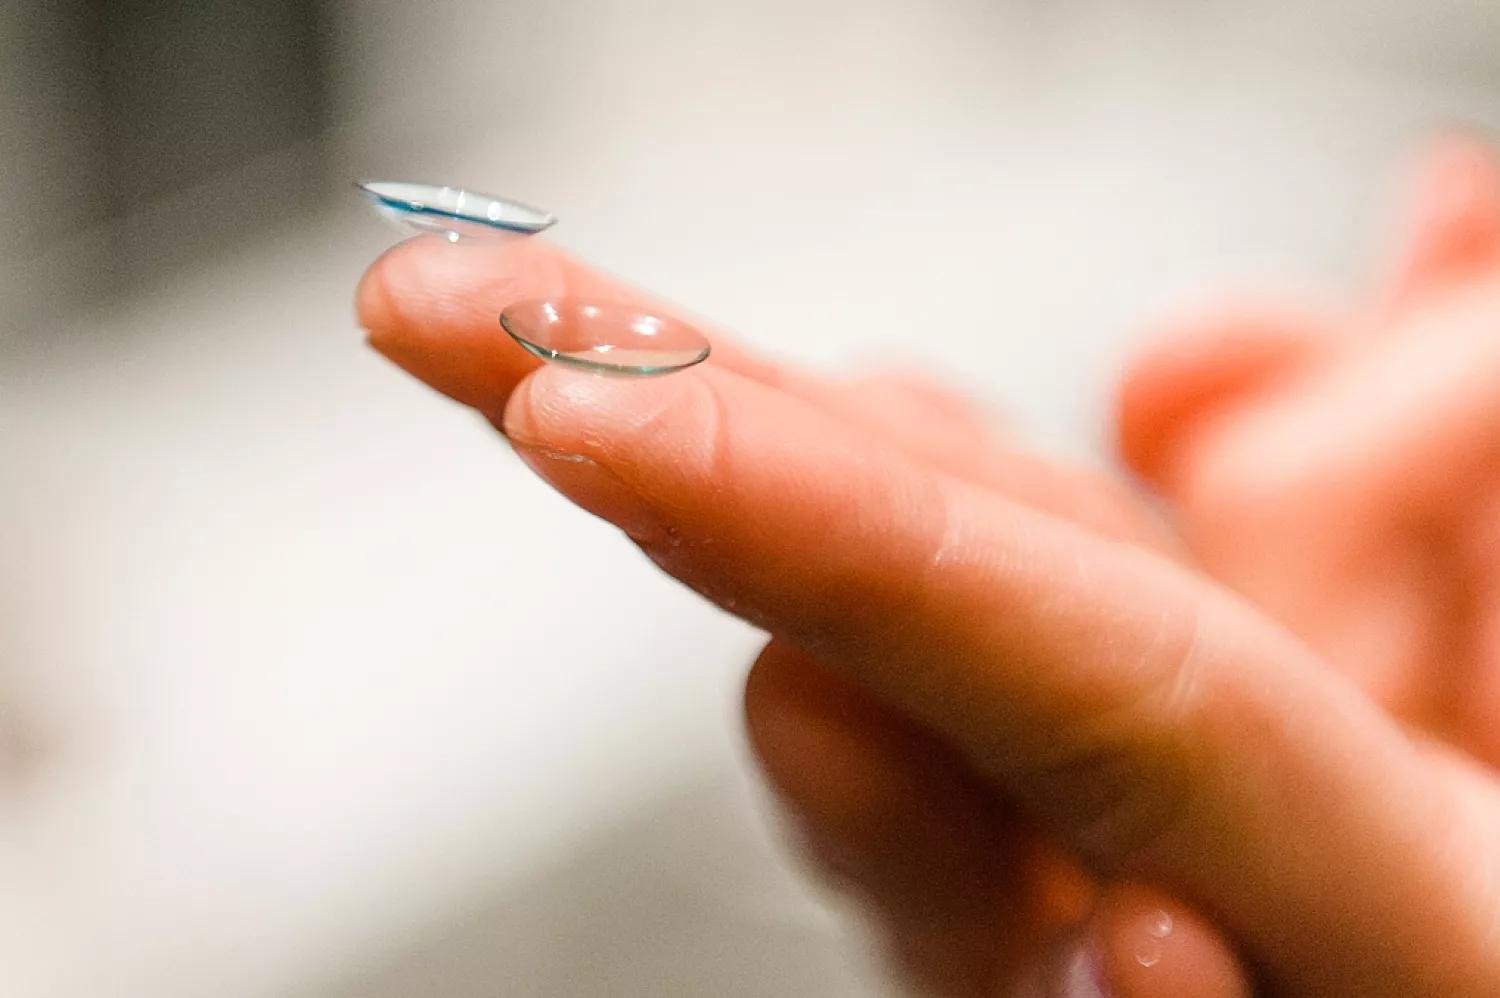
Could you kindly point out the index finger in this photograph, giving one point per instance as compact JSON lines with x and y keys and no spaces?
{"x":434,"y":310}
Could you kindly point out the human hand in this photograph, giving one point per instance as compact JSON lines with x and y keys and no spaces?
{"x":1343,"y":471}
{"x":985,"y":666}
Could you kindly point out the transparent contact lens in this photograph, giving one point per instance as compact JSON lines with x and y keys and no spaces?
{"x":453,"y":212}
{"x":610,"y":338}
{"x":606,"y":337}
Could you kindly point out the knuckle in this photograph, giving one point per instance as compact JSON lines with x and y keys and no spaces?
{"x":1116,"y":800}
{"x":1121,"y":780}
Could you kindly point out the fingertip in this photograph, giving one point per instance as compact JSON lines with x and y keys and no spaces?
{"x":641,"y":453}
{"x":433,"y":310}
{"x":424,"y":285}
{"x":1198,"y":367}
{"x":616,"y":419}
{"x":372,"y":302}
{"x":1455,"y":210}
{"x":1149,"y":945}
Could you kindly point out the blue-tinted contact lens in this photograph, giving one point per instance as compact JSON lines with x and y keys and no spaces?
{"x":453,"y":212}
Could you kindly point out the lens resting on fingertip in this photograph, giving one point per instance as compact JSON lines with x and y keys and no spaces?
{"x":605,"y":337}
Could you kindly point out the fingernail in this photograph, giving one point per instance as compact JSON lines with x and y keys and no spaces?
{"x":594,"y":488}
{"x":1074,"y":970}
{"x":1080,"y":972}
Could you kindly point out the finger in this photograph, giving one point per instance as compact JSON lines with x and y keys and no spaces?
{"x":1203,"y":368}
{"x":1362,"y":435}
{"x":1138,"y":944}
{"x":1141,"y":943}
{"x":934,"y":395}
{"x":1403,"y":425}
{"x":433,"y":309}
{"x":967,"y":896}
{"x":1206,"y":367}
{"x":1356,"y":447}
{"x":1156,"y":723}
{"x":962,"y":892}
{"x":901,"y":409}
{"x":1456,"y":217}
{"x":1469,"y":699}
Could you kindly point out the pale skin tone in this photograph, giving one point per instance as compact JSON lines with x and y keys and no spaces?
{"x":1002,"y":698}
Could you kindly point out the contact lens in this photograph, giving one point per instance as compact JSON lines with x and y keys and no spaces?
{"x":605,"y":337}
{"x":453,"y":212}
{"x":610,"y":338}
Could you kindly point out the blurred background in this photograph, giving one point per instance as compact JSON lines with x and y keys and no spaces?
{"x":306,"y":688}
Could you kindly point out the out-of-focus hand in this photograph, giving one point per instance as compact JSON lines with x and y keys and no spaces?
{"x":995,"y":699}
{"x":1344,"y":471}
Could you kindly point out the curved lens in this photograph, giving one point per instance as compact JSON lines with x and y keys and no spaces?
{"x":453,"y":212}
{"x":614,"y":338}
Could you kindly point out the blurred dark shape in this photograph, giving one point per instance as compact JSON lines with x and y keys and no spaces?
{"x":192,"y":88}
{"x":171,"y":126}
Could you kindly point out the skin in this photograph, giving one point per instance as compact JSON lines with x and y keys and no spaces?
{"x":1000,"y":699}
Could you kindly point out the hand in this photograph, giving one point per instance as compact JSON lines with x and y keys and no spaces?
{"x":973,"y":900}
{"x":986,"y":666}
{"x":1344,"y":471}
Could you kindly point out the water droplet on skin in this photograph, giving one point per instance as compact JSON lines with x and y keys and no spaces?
{"x":603,"y":337}
{"x":1148,"y":953}
{"x":453,"y":213}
